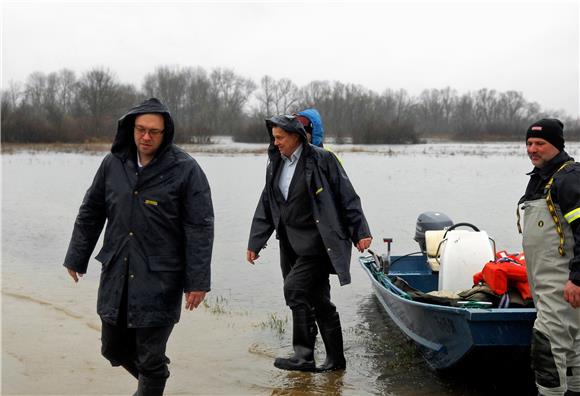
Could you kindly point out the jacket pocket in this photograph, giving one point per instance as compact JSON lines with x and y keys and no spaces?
{"x":105,"y":256}
{"x":165,"y":263}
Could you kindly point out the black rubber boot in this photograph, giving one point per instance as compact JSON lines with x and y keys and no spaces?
{"x":303,"y":339}
{"x":150,"y":386}
{"x":331,"y":333}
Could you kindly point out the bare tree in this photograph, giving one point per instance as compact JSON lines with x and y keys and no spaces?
{"x":285,"y":96}
{"x":230,"y":93}
{"x":14,"y":93}
{"x":265,"y":96}
{"x":98,"y":97}
{"x":314,"y":93}
{"x":169,"y":84}
{"x":34,"y":90}
{"x":199,"y":107}
{"x":66,"y":90}
{"x":486,"y":102}
{"x":464,"y":121}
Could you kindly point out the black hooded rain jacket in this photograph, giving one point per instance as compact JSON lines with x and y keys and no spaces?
{"x":336,"y":206}
{"x":159,"y":235}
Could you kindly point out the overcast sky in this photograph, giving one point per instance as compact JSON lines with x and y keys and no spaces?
{"x":528,"y":46}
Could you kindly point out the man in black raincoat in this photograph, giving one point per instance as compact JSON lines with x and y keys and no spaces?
{"x":157,"y":244}
{"x":310,"y":202}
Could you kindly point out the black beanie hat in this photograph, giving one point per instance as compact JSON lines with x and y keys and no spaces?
{"x":549,"y":129}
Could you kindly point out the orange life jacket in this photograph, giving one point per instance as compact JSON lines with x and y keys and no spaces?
{"x":505,"y":271}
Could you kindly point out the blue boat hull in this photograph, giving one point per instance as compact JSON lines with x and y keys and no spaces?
{"x":447,"y":335}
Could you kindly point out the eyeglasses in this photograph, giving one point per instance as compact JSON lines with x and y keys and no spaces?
{"x":152,"y":132}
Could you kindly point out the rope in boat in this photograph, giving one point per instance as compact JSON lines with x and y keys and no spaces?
{"x":385,"y":281}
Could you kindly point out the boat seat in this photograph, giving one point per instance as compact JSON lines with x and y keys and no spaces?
{"x":432,"y":240}
{"x":465,"y":253}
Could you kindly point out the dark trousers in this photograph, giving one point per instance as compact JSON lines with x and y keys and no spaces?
{"x":139,"y":350}
{"x":306,"y":281}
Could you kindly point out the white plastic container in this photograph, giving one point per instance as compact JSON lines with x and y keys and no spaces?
{"x":463,"y":254}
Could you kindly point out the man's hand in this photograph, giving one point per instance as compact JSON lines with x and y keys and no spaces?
{"x":193,"y":299}
{"x":251,"y":256}
{"x":572,"y":294}
{"x":75,"y":275}
{"x":364,"y":244}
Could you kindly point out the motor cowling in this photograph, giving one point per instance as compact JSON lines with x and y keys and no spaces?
{"x":430,"y":221}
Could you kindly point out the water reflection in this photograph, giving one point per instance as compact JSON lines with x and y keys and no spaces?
{"x":296,"y":383}
{"x":392,"y":359}
{"x":401,"y":370}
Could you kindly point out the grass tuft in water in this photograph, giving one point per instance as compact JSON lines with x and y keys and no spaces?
{"x":275,"y":323}
{"x":216,"y":305}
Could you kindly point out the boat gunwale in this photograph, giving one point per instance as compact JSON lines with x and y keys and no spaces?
{"x":471,"y":314}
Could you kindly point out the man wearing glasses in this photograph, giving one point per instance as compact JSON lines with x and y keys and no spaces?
{"x":157,"y":244}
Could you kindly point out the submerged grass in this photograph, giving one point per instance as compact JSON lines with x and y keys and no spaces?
{"x":273,"y":322}
{"x":217,"y":305}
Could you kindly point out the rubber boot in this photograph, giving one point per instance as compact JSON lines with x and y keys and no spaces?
{"x":303,"y":339}
{"x":331,"y":333}
{"x":150,"y":386}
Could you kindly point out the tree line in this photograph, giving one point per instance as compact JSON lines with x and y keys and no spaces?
{"x":65,"y":107}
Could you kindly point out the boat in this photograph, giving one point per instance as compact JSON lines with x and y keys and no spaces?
{"x":447,"y":335}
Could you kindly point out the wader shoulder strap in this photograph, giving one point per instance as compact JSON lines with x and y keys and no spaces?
{"x":519,"y":218}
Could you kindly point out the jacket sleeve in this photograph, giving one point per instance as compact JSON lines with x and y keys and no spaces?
{"x":348,"y":200}
{"x":198,"y":229}
{"x":262,"y":224}
{"x":569,"y":201}
{"x":88,"y":224}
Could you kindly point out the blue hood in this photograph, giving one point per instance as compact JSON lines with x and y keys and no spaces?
{"x":317,"y":129}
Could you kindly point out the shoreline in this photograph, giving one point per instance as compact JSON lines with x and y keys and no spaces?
{"x":99,"y":148}
{"x":51,"y":345}
{"x":230,"y":148}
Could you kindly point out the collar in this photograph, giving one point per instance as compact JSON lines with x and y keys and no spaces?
{"x":551,"y":166}
{"x":295,"y":155}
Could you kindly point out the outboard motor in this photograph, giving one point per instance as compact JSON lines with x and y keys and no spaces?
{"x":430,"y":221}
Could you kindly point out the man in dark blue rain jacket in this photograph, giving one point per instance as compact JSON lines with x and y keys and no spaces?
{"x":310,"y":202}
{"x":157,"y":245}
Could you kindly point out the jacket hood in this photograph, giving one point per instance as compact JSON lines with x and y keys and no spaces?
{"x":124,"y":142}
{"x":317,"y":128}
{"x":288,"y":123}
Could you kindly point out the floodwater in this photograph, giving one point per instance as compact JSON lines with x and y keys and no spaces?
{"x":228,"y":345}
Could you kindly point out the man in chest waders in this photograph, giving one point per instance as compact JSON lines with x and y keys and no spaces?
{"x":551,"y":241}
